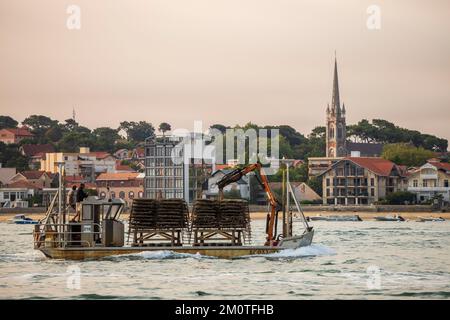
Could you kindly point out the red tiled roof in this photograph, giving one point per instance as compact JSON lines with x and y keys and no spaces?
{"x":23,"y":184}
{"x":33,"y":175}
{"x":22,"y":132}
{"x":379,"y":166}
{"x":117,"y":176}
{"x":123,"y":167}
{"x":35,"y":149}
{"x":100,"y":154}
{"x":440,"y":165}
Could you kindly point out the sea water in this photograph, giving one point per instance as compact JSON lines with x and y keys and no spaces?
{"x":347,"y":260}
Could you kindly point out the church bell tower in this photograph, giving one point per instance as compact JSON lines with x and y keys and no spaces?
{"x":335,"y":125}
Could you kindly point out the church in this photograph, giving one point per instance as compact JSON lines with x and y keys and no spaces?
{"x":337,"y":145}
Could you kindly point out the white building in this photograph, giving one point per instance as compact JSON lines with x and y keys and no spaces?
{"x":84,"y":163}
{"x":242,"y":185}
{"x":430,"y":180}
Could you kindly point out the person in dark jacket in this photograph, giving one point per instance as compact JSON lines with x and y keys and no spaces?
{"x":81,"y":195}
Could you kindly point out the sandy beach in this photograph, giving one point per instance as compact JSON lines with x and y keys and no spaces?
{"x":5,"y":217}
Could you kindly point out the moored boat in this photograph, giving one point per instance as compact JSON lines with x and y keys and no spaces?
{"x":390,"y":218}
{"x":335,"y":218}
{"x":430,"y":219}
{"x":22,"y":219}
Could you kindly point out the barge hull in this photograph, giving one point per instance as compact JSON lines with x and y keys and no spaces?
{"x":101,"y":252}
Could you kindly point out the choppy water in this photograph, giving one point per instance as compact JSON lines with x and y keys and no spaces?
{"x":349,"y":260}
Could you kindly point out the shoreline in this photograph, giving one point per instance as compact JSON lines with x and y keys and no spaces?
{"x":5,"y":217}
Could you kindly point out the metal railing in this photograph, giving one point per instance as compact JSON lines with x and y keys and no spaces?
{"x":58,"y":235}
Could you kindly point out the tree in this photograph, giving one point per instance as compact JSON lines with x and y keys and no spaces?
{"x":405,"y":154}
{"x":316,"y":184}
{"x":39,"y":125}
{"x":70,"y":125}
{"x":220,"y":127}
{"x":105,"y":138}
{"x":400,"y":197}
{"x":137,"y":131}
{"x":7,"y":122}
{"x":54,"y":134}
{"x":10,"y":157}
{"x":72,"y":141}
{"x":164,"y":127}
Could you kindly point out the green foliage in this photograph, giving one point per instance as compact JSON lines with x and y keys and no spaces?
{"x":10,"y":157}
{"x":316,"y":184}
{"x":299,"y":174}
{"x":7,"y":122}
{"x":137,"y":131}
{"x":405,"y":154}
{"x":105,"y":139}
{"x":54,"y":134}
{"x":383,"y":131}
{"x":72,"y":141}
{"x":164,"y":127}
{"x":39,"y":125}
{"x":400,"y":197}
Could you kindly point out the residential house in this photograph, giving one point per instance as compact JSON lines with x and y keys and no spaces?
{"x":302,"y":191}
{"x":36,"y":153}
{"x":361,"y":180}
{"x":84,"y":163}
{"x":17,"y":194}
{"x":125,"y":185}
{"x":430,"y":180}
{"x":242,"y":185}
{"x":122,"y":154}
{"x":40,"y":179}
{"x":14,"y":135}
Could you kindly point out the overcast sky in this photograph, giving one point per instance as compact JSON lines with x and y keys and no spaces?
{"x":226,"y":61}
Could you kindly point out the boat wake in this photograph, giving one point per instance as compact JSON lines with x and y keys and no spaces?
{"x":309,"y":251}
{"x":158,"y":255}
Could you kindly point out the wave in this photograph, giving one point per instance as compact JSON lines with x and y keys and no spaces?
{"x":309,"y":251}
{"x":157,"y":255}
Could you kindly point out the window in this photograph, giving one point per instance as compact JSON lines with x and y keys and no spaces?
{"x":131,"y":195}
{"x":372,"y":192}
{"x":328,"y":182}
{"x":372,"y":182}
{"x":446,"y":183}
{"x":425,"y":183}
{"x":328,"y":192}
{"x":415,"y":183}
{"x":6,"y":195}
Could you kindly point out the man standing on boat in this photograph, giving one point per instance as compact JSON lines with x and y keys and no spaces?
{"x":80,"y":196}
{"x":71,"y":197}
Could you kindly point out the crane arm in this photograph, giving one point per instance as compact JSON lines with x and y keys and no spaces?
{"x":275,"y":205}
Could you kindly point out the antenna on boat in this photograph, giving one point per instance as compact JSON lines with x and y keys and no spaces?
{"x":60,"y":191}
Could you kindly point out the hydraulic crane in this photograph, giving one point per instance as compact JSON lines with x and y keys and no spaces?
{"x":275,"y":205}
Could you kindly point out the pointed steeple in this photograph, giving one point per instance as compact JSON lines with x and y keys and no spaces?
{"x":335,"y":102}
{"x":343,"y":108}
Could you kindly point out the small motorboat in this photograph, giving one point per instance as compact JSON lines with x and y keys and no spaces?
{"x":22,"y":219}
{"x":390,"y":218}
{"x":335,"y":218}
{"x":430,"y":219}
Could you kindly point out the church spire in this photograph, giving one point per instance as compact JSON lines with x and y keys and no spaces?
{"x":335,"y":102}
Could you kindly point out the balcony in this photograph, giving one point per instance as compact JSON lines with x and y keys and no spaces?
{"x":430,"y":176}
{"x":429,"y":189}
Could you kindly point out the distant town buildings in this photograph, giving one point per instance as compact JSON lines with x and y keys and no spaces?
{"x":14,"y":135}
{"x":84,"y":163}
{"x":126,"y":186}
{"x":361,"y":181}
{"x":166,"y":179}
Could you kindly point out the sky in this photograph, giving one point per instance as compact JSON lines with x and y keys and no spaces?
{"x":226,"y":61}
